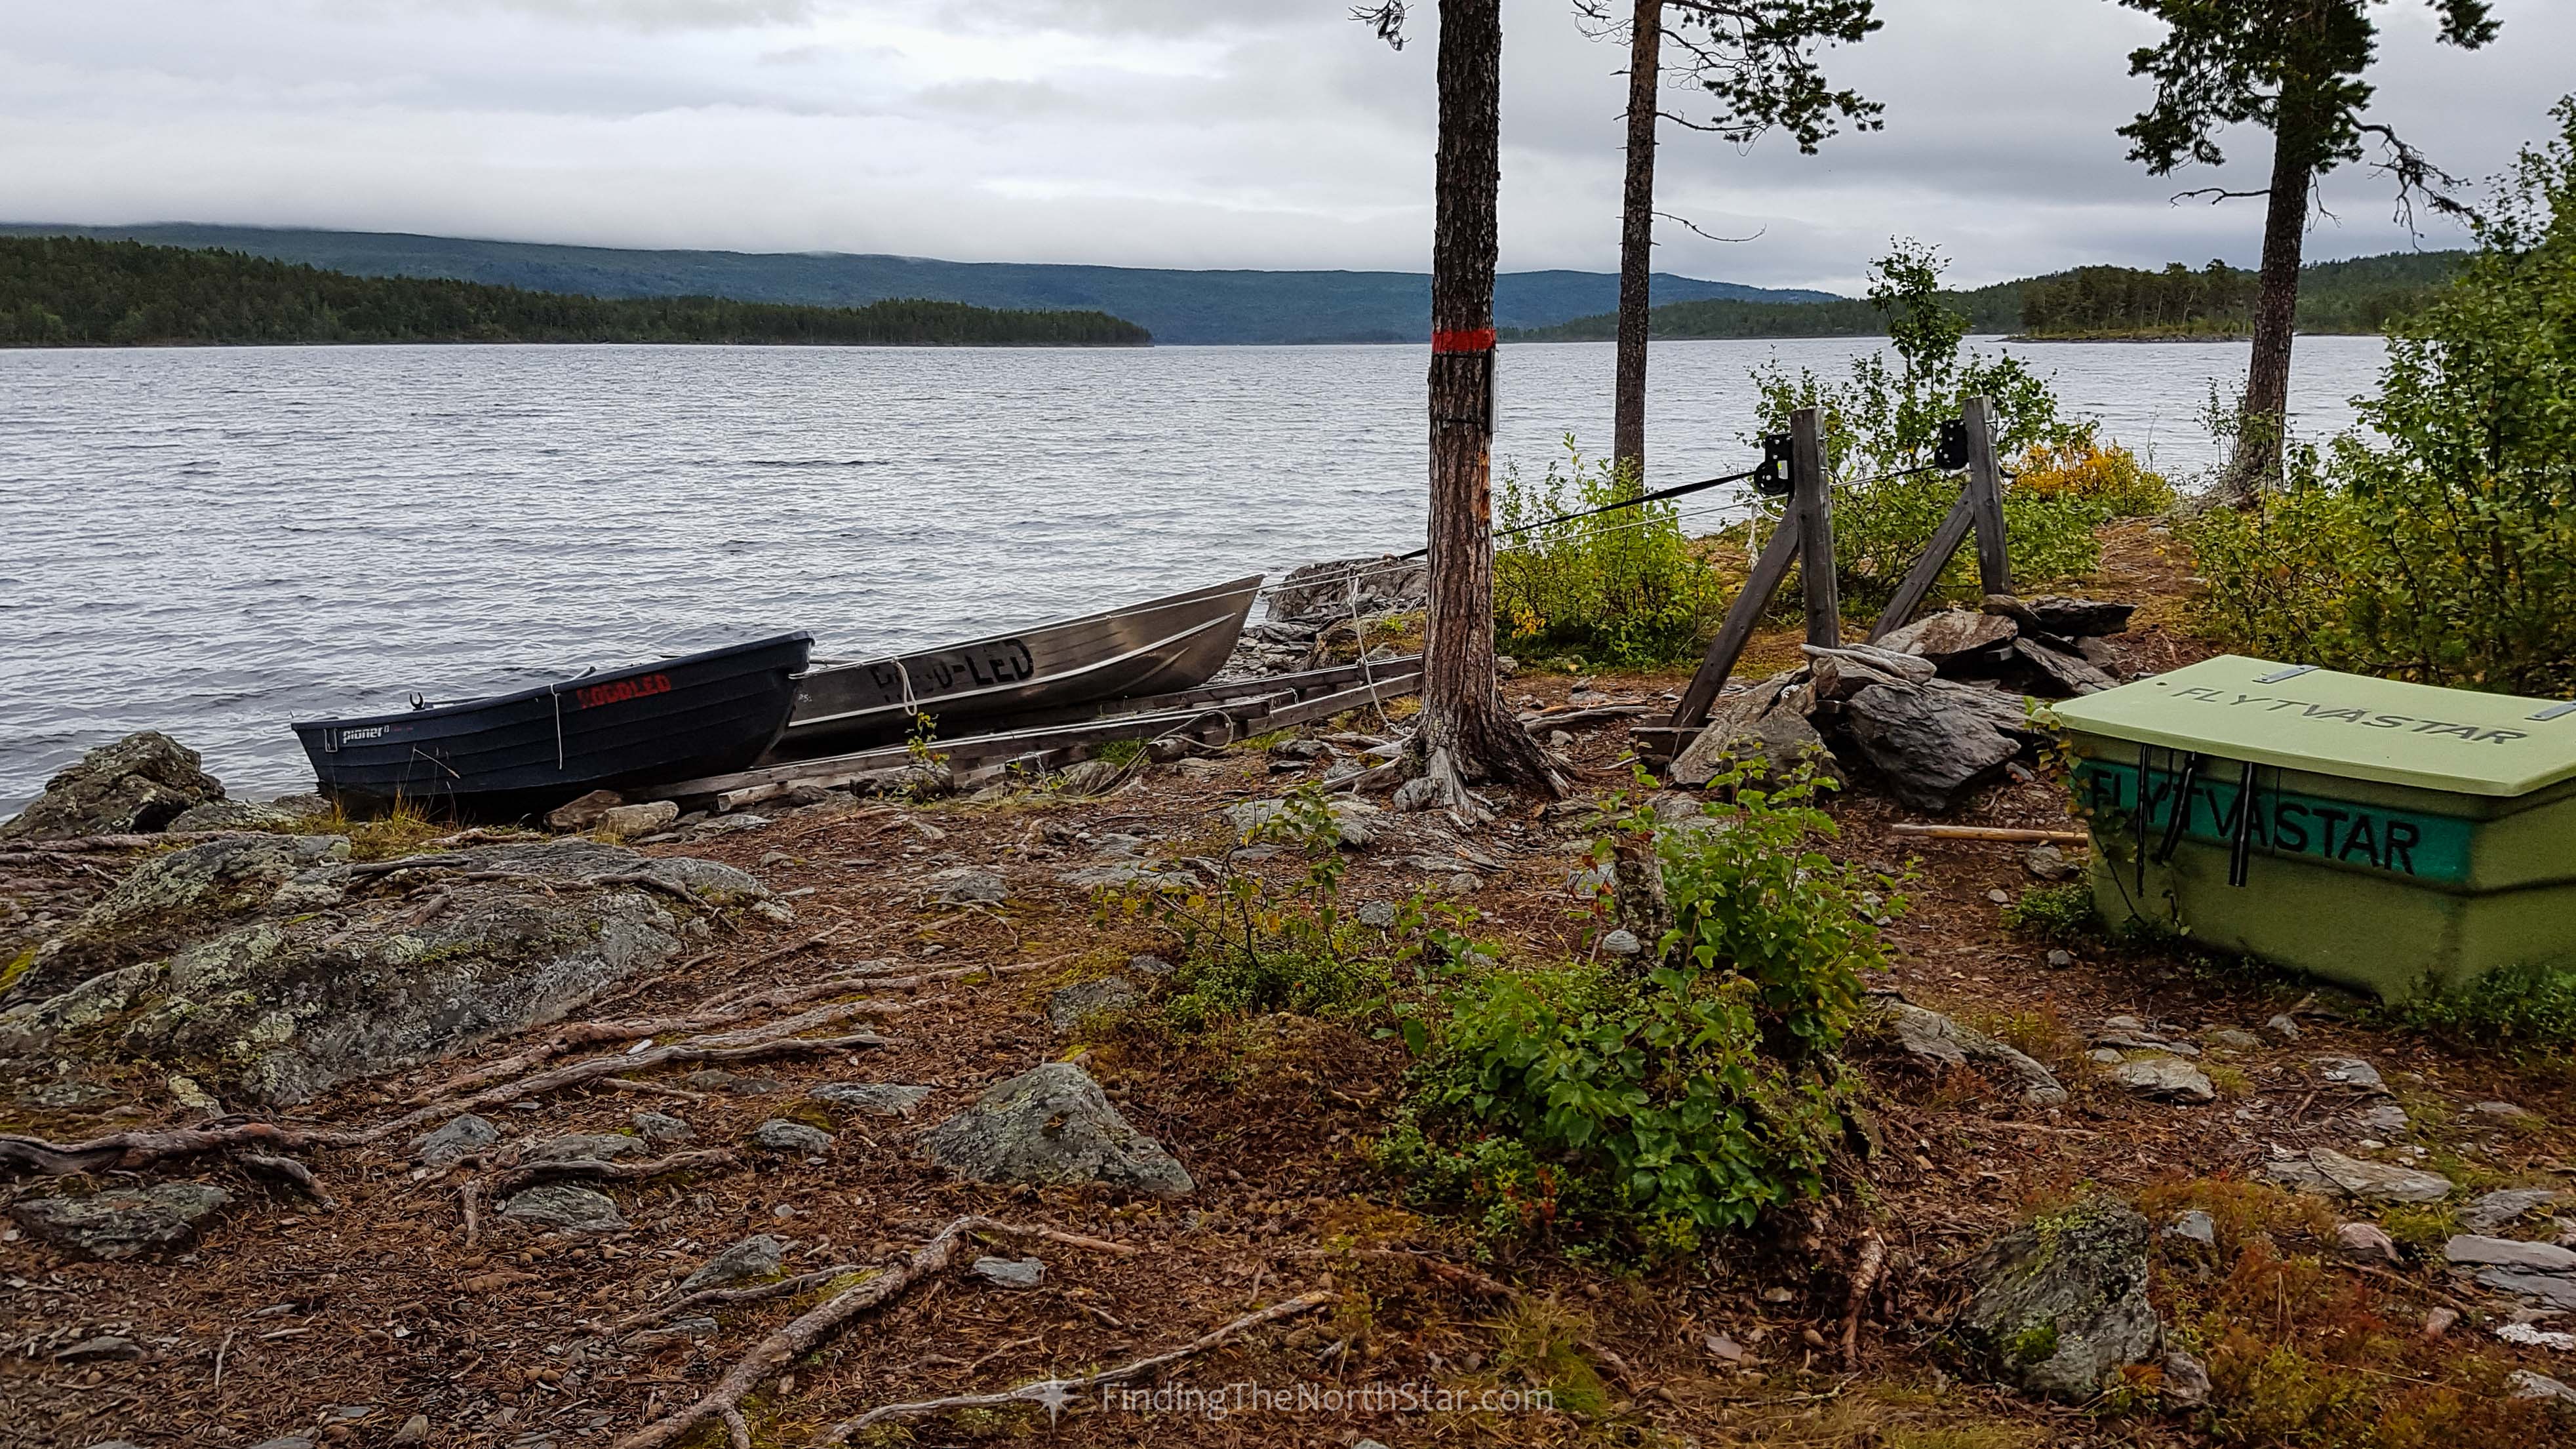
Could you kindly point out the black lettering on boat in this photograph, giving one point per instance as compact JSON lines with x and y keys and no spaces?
{"x":2399,"y":854}
{"x":2293,"y":834}
{"x":2362,"y":838}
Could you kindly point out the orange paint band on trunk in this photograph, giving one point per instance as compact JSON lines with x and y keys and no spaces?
{"x":1479,"y":340}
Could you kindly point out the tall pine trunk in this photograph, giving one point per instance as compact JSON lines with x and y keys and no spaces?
{"x":1637,"y":236}
{"x":2263,"y":417}
{"x":1465,"y":733}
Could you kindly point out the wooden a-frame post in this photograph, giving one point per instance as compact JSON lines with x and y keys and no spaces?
{"x":1981,"y":507}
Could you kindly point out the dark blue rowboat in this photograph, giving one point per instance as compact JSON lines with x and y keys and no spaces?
{"x":674,"y":719}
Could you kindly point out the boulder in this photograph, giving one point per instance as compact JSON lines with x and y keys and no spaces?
{"x":2163,"y":1079}
{"x":1934,"y":1037}
{"x":461,"y":1138}
{"x":1932,"y":743}
{"x":1010,"y":1272}
{"x":1768,"y":749}
{"x":277,"y":988}
{"x":563,"y":1205}
{"x":2060,"y":1305}
{"x":122,"y":1221}
{"x":1886,"y":663}
{"x":2328,"y":1173}
{"x":877,"y":1099}
{"x":138,"y":784}
{"x":2509,"y":1253}
{"x":968,"y":885}
{"x":661,"y":1127}
{"x":1341,"y":588}
{"x":753,"y":1257}
{"x":1950,"y":635}
{"x":780,"y":1135}
{"x":2490,"y":1211}
{"x":583,"y":1147}
{"x":2059,"y":672}
{"x":2070,"y":618}
{"x":585,"y":812}
{"x":2350,"y":1072}
{"x":1053,"y":1125}
{"x":1352,"y":820}
{"x":1067,"y":1007}
{"x":625,"y":822}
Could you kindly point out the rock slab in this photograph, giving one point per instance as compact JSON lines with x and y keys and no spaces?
{"x":1934,"y":1037}
{"x":2329,"y":1173}
{"x":2060,"y":1305}
{"x":121,"y":1221}
{"x":139,"y":784}
{"x":877,"y":1099}
{"x":753,"y":1257}
{"x":562,"y":1205}
{"x":1053,"y":1125}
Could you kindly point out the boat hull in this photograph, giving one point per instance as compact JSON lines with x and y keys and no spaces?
{"x":669,"y":720}
{"x":1172,"y":643}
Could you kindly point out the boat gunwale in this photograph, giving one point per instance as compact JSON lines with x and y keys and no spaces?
{"x":541,"y":691}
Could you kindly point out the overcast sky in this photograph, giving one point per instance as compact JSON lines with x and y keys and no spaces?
{"x":1185,"y":133}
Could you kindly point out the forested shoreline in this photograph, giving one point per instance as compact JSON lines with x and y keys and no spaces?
{"x":2361,"y":296}
{"x":75,"y":291}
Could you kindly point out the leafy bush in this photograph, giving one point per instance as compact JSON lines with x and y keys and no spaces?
{"x":1886,"y":419}
{"x":2446,"y":554}
{"x":1249,"y":945}
{"x":1650,"y":1106}
{"x":2107,"y":477}
{"x":1622,"y":587}
{"x":2531,"y":1005}
{"x":2062,"y":912}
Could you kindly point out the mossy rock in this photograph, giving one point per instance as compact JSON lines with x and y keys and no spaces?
{"x":2061,"y":1304}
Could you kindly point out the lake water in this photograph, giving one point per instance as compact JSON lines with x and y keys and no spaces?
{"x":214,"y":541}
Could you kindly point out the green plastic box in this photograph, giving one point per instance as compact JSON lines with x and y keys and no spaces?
{"x":2403,"y":838}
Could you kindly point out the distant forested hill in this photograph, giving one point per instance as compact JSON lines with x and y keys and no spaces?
{"x":2358,"y":296}
{"x":69,"y":291}
{"x":1176,"y":306}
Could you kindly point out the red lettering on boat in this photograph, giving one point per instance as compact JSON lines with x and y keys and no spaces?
{"x":617,"y":691}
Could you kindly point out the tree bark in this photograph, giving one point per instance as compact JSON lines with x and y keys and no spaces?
{"x":2262,"y":418}
{"x":1637,"y":236}
{"x":1465,"y":733}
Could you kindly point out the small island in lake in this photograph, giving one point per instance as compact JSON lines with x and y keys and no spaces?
{"x":79,"y":292}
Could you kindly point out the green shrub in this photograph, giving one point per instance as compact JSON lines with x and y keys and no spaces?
{"x":1648,"y":1106}
{"x":1885,"y":418}
{"x":1623,"y":588}
{"x":2521,"y":1005}
{"x":2444,"y":549}
{"x":2055,"y":913}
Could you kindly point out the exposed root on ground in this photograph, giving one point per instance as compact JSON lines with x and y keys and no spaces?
{"x":1057,"y":1391}
{"x":753,"y":1293}
{"x":602,"y":1171}
{"x":1873,"y":1259}
{"x":598,"y":1033}
{"x":809,"y":1329}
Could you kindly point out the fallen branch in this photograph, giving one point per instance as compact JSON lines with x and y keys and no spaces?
{"x":473,"y":1218}
{"x":599,"y":1170}
{"x":2000,"y":833}
{"x":289,"y":1171}
{"x":654,"y":1089}
{"x":810,"y":1328}
{"x":647,"y":1317}
{"x":1873,"y":1260}
{"x":1057,"y":1391}
{"x":133,"y":1151}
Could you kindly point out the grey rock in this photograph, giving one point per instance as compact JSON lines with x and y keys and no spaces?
{"x":661,"y":1127}
{"x":2328,"y":1173}
{"x":583,"y":1146}
{"x":1935,"y":1037}
{"x":2195,"y":1225}
{"x":121,"y":1221}
{"x":1010,"y":1272}
{"x":1300,"y":748}
{"x":877,"y":1099}
{"x":1267,"y":819}
{"x":969,"y":885}
{"x":294,"y":1000}
{"x":1622,"y":943}
{"x":2231,"y":1039}
{"x":2047,"y":862}
{"x":2062,"y":673}
{"x":2505,"y":1110}
{"x":2509,"y":1253}
{"x":625,"y":822}
{"x":414,"y":1430}
{"x":1052,"y":1125}
{"x":753,"y":1257}
{"x":2060,"y":1305}
{"x":1122,"y":875}
{"x":1155,"y":966}
{"x":1932,"y":743}
{"x":2554,"y":1290}
{"x":2070,"y":618}
{"x":232,"y":815}
{"x":2060,"y":960}
{"x":1764,"y":731}
{"x":2350,"y":1072}
{"x":2386,"y":1117}
{"x":1067,"y":1007}
{"x":2107,"y":1056}
{"x":566,"y":1206}
{"x":1089,"y":777}
{"x":2282,"y":1026}
{"x":461,"y":1138}
{"x":1344,"y":588}
{"x":139,"y":784}
{"x":2186,"y":1380}
{"x":780,"y":1135}
{"x":2524,"y":1384}
{"x":1951,"y":634}
{"x":2368,"y":1242}
{"x":105,"y":1346}
{"x":2490,"y":1211}
{"x":2164,"y":1079}
{"x":585,"y":812}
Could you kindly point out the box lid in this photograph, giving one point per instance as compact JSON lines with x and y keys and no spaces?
{"x":2340,"y":724}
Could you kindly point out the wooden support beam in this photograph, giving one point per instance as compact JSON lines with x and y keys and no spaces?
{"x":1811,"y":502}
{"x":1323,"y":707}
{"x":1927,"y":569}
{"x":1737,"y":631}
{"x":1986,"y":495}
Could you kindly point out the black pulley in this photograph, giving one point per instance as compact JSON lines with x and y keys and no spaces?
{"x":1951,"y":453}
{"x":1772,"y":478}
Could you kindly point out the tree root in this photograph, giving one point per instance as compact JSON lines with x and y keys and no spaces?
{"x":1056,"y":1392}
{"x":133,"y":1151}
{"x":753,"y":1293}
{"x":810,"y":1328}
{"x":592,"y":1068}
{"x":289,"y":1171}
{"x":598,"y":1170}
{"x":597,"y":1033}
{"x":1873,"y":1259}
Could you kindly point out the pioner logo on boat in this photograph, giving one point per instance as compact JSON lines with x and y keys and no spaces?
{"x":592,"y":696}
{"x":2351,"y":714}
